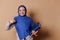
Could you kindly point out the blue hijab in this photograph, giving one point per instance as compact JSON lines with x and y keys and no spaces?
{"x":24,"y":24}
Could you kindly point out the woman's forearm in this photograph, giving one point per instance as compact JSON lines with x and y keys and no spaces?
{"x":9,"y":24}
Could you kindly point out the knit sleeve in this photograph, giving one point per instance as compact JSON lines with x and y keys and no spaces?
{"x":34,"y":26}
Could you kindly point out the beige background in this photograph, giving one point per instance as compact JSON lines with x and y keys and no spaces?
{"x":47,"y":12}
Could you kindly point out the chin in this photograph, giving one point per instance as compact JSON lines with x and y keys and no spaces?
{"x":22,"y":15}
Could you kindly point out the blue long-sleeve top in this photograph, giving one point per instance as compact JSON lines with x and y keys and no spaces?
{"x":24,"y":26}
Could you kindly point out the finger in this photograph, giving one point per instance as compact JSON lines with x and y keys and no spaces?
{"x":36,"y":35}
{"x":36,"y":32}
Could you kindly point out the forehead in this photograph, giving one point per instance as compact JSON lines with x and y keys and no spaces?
{"x":21,"y":8}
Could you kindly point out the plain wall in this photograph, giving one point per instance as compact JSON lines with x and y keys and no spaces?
{"x":47,"y":12}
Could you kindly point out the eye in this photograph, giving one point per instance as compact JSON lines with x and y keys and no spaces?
{"x":23,"y":10}
{"x":19,"y":10}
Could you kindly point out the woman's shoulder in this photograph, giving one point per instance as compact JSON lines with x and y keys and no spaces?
{"x":29,"y":18}
{"x":15,"y":17}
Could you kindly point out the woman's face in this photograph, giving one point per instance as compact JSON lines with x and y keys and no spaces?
{"x":22,"y":11}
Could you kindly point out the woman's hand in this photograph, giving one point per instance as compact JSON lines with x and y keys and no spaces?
{"x":34,"y":33}
{"x":12,"y":21}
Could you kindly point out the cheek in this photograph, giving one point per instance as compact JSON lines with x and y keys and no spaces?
{"x":24,"y":12}
{"x":19,"y":11}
